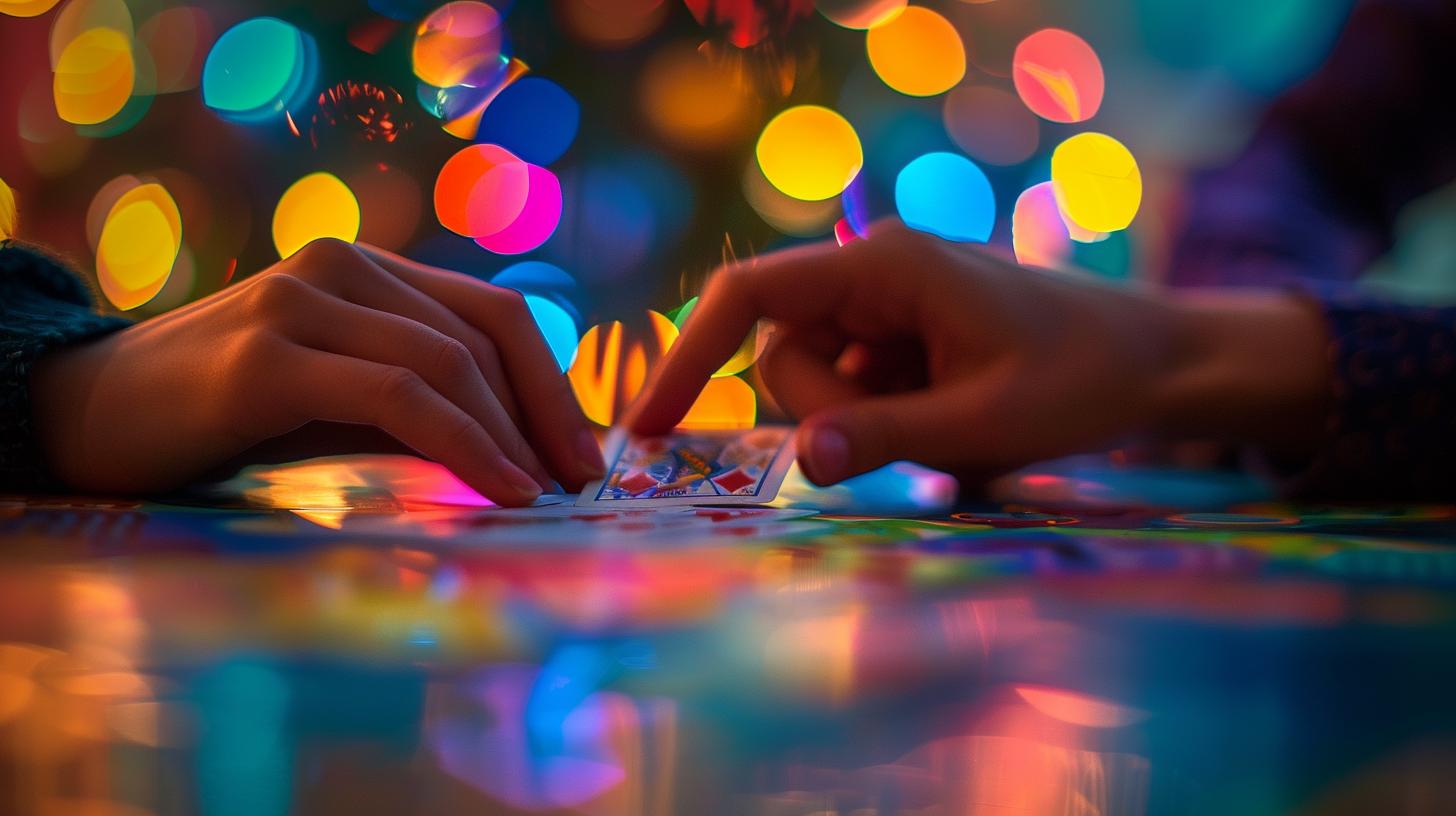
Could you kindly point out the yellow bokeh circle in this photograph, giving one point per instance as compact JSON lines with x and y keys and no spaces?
{"x":1097,"y":182}
{"x":612,"y":361}
{"x":95,"y":76}
{"x":918,"y":52}
{"x":26,"y":8}
{"x":139,"y":245}
{"x":318,"y":205}
{"x":810,"y":153}
{"x":7,"y":211}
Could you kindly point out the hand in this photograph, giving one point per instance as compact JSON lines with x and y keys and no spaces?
{"x":903,"y":346}
{"x":449,"y":366}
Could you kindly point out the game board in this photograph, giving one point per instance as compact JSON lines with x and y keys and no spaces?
{"x":397,"y":655}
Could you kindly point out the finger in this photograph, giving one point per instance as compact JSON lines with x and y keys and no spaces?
{"x":801,"y":375}
{"x":347,"y":271}
{"x":321,"y":385}
{"x":553,"y":420}
{"x":386,"y":338}
{"x":859,"y":289}
{"x":933,"y":427}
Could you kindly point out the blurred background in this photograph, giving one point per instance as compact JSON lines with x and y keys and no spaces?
{"x":605,"y":155}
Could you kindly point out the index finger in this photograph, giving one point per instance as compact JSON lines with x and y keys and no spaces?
{"x":800,"y":285}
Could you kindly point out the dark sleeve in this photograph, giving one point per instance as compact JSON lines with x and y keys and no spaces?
{"x":43,"y":306}
{"x":1392,"y":423}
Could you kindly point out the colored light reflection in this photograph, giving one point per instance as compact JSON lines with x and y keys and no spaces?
{"x":7,"y":210}
{"x":319,"y":205}
{"x":1079,"y":709}
{"x":138,"y":246}
{"x":695,"y":100}
{"x":94,"y":77}
{"x":257,"y":69}
{"x":538,"y":219}
{"x":810,"y":153}
{"x":860,"y":14}
{"x":612,"y":361}
{"x":946,"y":195}
{"x":990,"y":124}
{"x":459,"y":44}
{"x":557,"y":326}
{"x":343,"y":483}
{"x":1097,"y":181}
{"x":1058,"y":76}
{"x":1038,"y":234}
{"x":481,"y":190}
{"x":534,"y":118}
{"x":918,"y":53}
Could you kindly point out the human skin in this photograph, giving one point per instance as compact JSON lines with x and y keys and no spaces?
{"x":904,"y":346}
{"x":451,"y":367}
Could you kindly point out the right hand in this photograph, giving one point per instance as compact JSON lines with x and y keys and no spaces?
{"x":904,"y":346}
{"x":452,"y":367}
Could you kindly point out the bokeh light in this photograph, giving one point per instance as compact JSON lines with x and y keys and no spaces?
{"x":138,"y":246}
{"x":534,"y":118}
{"x":946,"y":195}
{"x":459,"y":44}
{"x":1097,"y":181}
{"x":102,"y":203}
{"x":79,"y":16}
{"x":809,"y":152}
{"x":697,"y":101}
{"x":7,"y":210}
{"x":177,"y":39}
{"x":990,"y":125}
{"x":612,"y":361}
{"x":258,"y":69}
{"x":918,"y":53}
{"x":860,"y":14}
{"x":537,"y":220}
{"x":1058,"y":76}
{"x":95,"y":77}
{"x":791,"y":216}
{"x":725,"y":402}
{"x":557,"y":327}
{"x":748,"y":351}
{"x":1038,"y":234}
{"x":546,"y":281}
{"x":390,"y":204}
{"x":481,"y":190}
{"x":749,"y":22}
{"x":26,"y":8}
{"x":612,"y":23}
{"x":319,"y":205}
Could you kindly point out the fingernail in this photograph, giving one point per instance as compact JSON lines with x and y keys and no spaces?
{"x":828,"y":454}
{"x":589,"y":452}
{"x":518,"y":479}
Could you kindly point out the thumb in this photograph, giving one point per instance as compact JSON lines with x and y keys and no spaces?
{"x":926,"y":426}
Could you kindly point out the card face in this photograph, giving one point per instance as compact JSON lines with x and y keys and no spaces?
{"x":694,"y":467}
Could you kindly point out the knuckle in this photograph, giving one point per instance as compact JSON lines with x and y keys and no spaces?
{"x":452,"y":358}
{"x":462,"y":434}
{"x":278,"y":292}
{"x":329,"y":250}
{"x":398,"y":387}
{"x":513,"y":303}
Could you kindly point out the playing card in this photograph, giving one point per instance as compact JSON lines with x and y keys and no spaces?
{"x":693,"y":467}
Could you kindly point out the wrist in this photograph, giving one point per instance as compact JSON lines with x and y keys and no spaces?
{"x":1247,"y":367}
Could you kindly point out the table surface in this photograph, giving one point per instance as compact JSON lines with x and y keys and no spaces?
{"x":1092,"y":649}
